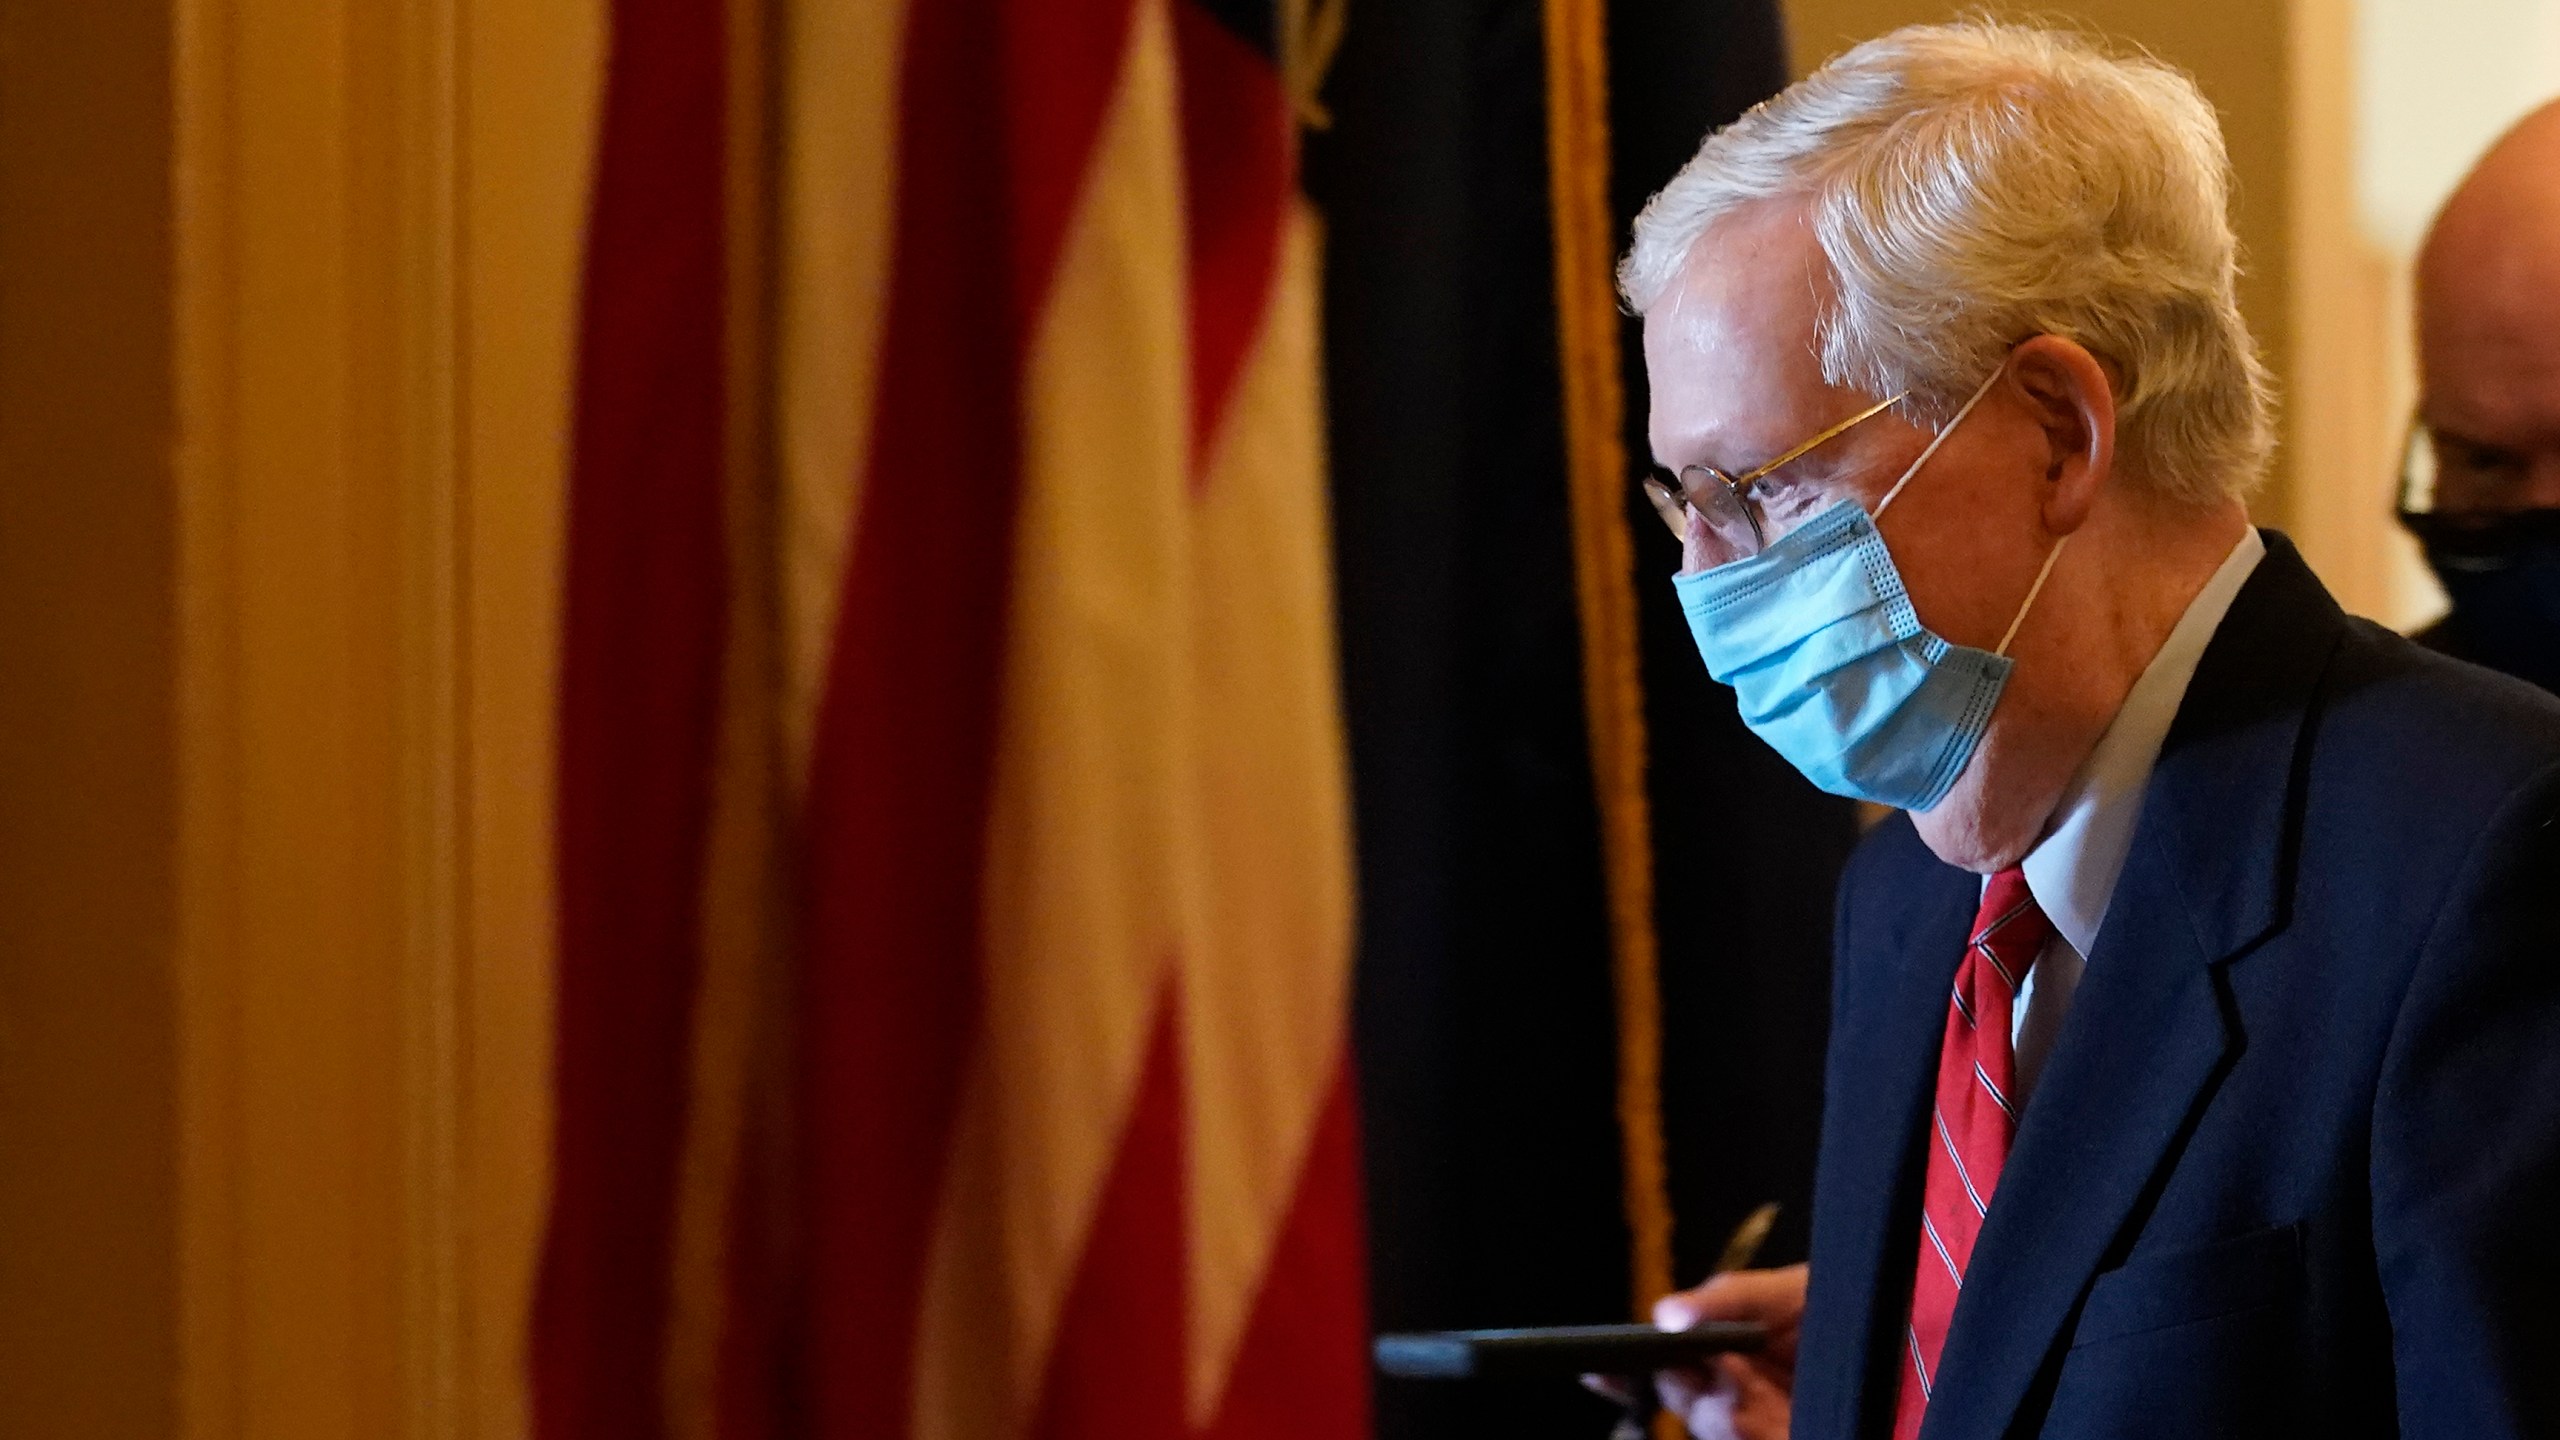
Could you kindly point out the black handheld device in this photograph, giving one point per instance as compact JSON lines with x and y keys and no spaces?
{"x":1560,"y":1350}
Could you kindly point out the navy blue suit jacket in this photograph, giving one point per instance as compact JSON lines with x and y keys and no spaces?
{"x":2293,"y":1167}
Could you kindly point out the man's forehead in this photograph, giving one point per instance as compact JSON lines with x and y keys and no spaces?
{"x":1730,"y":347}
{"x":1758,"y":273}
{"x":2489,"y":273}
{"x":2489,"y":326}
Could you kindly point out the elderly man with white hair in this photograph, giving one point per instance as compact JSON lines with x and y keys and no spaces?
{"x":2195,"y":1056}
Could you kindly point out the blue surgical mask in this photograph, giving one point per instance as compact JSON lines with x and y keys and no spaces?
{"x":1831,"y":664}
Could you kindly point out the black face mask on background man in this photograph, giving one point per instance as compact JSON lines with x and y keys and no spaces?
{"x":2472,"y":507}
{"x":2502,"y":573}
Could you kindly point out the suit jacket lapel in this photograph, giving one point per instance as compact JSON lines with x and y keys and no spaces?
{"x":2147,"y":1033}
{"x":1882,"y":1064}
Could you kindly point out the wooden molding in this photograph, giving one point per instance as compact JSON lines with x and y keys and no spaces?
{"x":324,"y":784}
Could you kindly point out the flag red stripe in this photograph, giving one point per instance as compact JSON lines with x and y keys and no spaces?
{"x":1060,"y":64}
{"x":646,"y":611}
{"x":1116,"y":1368}
{"x":1303,"y":1366}
{"x":1237,"y":177}
{"x":1001,"y":102}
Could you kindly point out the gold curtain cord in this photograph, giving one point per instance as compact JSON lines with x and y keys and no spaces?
{"x":1587,"y":322}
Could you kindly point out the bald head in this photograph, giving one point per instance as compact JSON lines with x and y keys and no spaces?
{"x":2488,"y":287}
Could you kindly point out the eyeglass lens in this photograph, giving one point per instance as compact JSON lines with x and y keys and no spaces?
{"x":1726,"y":512}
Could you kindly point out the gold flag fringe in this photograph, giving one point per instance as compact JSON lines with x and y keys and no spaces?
{"x":1612,"y":685}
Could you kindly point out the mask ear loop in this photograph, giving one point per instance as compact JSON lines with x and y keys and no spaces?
{"x":1941,"y":437}
{"x":2050,"y":556}
{"x":2032,"y":592}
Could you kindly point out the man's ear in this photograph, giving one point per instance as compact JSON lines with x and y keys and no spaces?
{"x":2072,"y":398}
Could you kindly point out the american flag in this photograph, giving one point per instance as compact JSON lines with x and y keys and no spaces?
{"x":954,"y":850}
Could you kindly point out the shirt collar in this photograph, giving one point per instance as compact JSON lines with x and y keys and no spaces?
{"x":2072,"y":871}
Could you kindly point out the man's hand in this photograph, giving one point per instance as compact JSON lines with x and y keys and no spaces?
{"x":1744,"y":1397}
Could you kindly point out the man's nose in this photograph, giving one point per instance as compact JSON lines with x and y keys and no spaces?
{"x":1702,"y":548}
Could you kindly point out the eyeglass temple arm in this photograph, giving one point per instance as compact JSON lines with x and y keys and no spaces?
{"x":1669,"y":503}
{"x":1744,"y":481}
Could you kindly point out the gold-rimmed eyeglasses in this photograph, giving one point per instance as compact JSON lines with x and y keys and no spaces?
{"x":1723,"y":499}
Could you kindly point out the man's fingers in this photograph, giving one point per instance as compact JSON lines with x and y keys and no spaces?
{"x":1749,"y":1374}
{"x":1613,"y":1387}
{"x":1741,"y":1397}
{"x":1772,"y":1297}
{"x":1759,"y":1404}
{"x":1679,"y":1389}
{"x":1704,"y":1403}
{"x":1712,"y":1418}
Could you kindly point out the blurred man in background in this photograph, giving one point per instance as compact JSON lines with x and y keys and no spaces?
{"x":2483,"y":492}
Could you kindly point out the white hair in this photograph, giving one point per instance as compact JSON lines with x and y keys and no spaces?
{"x":1977,"y":183}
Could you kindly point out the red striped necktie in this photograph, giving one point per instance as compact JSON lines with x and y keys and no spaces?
{"x":1971,"y":1125}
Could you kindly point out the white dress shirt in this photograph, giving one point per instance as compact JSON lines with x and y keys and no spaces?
{"x":2072,"y":871}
